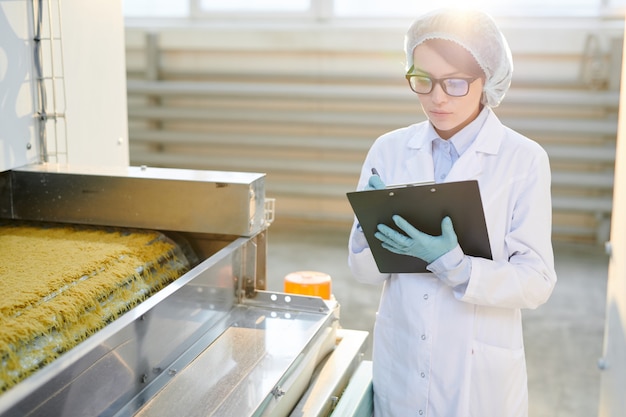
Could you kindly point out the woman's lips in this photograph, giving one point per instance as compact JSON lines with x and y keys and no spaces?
{"x":439,"y":113}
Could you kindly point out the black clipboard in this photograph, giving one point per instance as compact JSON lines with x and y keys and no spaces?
{"x":424,"y":206}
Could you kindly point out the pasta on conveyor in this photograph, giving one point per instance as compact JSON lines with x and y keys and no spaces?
{"x":63,"y":283}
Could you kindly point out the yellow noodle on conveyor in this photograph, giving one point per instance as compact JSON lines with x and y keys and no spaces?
{"x":63,"y":283}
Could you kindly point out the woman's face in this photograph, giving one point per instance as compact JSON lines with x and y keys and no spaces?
{"x":447,"y":114}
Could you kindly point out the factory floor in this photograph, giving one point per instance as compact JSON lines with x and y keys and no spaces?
{"x":563,"y":338}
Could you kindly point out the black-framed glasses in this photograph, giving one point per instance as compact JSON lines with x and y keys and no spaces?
{"x":454,"y":86}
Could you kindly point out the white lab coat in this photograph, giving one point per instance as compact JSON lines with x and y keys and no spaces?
{"x":444,"y":352}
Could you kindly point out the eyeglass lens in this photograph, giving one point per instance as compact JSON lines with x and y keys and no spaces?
{"x":456,"y":87}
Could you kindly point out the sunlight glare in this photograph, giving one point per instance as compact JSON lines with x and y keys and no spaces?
{"x":390,"y":8}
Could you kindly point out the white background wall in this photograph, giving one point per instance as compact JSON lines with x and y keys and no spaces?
{"x":17,"y":107}
{"x":303,"y":101}
{"x":90,"y":84}
{"x":612,"y":399}
{"x":97,"y":121}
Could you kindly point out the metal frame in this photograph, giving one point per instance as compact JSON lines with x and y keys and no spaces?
{"x":48,"y":48}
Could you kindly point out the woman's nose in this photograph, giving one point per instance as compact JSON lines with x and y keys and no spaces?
{"x":437,"y":95}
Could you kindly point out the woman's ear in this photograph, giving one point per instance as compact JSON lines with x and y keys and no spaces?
{"x":483,"y":101}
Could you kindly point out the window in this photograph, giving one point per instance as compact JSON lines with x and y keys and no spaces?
{"x":261,"y":6}
{"x":356,"y":8}
{"x":156,"y":8}
{"x":398,"y":8}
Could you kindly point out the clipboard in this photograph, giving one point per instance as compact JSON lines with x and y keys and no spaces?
{"x":424,"y":206}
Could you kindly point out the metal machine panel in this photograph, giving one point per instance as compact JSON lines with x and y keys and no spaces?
{"x":229,"y":203}
{"x":249,"y":370}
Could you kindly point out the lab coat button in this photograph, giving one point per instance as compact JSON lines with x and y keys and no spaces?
{"x":423,"y":337}
{"x":423,"y":375}
{"x":421,"y":412}
{"x":425,"y":296}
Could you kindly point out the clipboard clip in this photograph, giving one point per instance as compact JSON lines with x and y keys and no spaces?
{"x":411,"y":184}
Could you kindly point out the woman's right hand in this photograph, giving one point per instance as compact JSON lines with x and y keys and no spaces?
{"x":374,"y":183}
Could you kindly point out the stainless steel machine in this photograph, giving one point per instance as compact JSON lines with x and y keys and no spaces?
{"x":215,"y":341}
{"x":212,"y":343}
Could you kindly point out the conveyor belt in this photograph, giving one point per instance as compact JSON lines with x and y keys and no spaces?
{"x":62,"y":283}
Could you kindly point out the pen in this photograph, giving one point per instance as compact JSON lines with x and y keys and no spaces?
{"x":375,"y":172}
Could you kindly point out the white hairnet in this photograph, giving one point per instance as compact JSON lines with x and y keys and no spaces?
{"x":477,"y":33}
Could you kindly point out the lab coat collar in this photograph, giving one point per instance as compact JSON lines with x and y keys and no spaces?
{"x":420,"y":164}
{"x":490,"y":136}
{"x":469,"y":165}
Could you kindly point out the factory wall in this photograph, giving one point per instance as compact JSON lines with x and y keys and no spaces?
{"x":303,"y":103}
{"x":81,"y":101}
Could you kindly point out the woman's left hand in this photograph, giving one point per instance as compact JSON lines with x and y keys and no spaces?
{"x":416,"y":243}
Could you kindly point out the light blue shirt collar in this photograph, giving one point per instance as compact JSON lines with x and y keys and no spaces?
{"x":466,"y":136}
{"x":446,"y":152}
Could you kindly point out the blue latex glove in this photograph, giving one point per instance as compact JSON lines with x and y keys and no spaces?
{"x":375,"y":183}
{"x":416,"y":243}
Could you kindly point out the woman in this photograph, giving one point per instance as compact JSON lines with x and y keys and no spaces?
{"x":448,"y":343}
